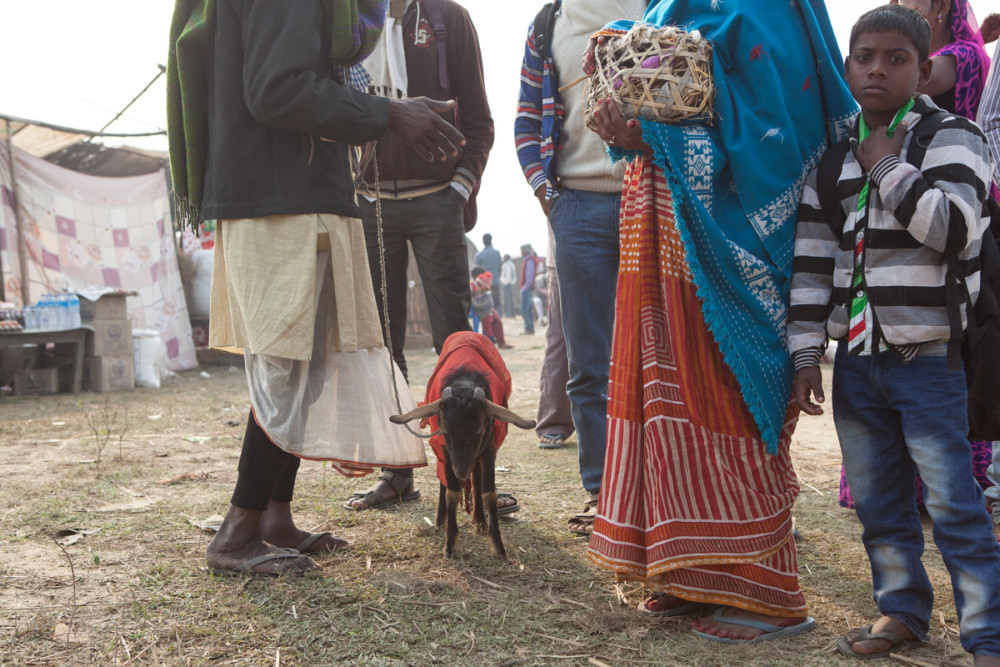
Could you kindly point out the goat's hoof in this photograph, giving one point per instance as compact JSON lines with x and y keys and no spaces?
{"x":480,"y":529}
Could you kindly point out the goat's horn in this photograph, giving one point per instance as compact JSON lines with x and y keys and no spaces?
{"x":479,"y":394}
{"x":446,"y":393}
{"x":420,"y":412}
{"x":505,"y":415}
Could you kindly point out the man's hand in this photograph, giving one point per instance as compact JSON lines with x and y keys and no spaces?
{"x":879,"y":144}
{"x":542,"y":199}
{"x":418,"y":122}
{"x":809,"y":381}
{"x":990,"y":28}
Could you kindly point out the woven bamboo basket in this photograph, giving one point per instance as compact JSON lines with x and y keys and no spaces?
{"x":660,"y":74}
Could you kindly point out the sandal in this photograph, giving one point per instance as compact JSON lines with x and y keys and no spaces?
{"x":551,"y":441}
{"x":845,"y":645}
{"x":583,"y":523}
{"x":390,"y":489}
{"x":655,"y":605}
{"x":511,"y":506}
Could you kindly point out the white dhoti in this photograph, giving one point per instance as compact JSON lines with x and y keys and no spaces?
{"x":294,"y":293}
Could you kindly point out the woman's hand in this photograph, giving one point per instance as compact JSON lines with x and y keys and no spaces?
{"x":616,"y":131}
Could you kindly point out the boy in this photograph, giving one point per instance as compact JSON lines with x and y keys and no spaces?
{"x":483,"y":308}
{"x":877,"y":285}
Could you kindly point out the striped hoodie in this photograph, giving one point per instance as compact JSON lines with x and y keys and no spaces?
{"x":914,"y":216}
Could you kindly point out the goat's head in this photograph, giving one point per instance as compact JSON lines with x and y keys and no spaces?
{"x":465,"y":417}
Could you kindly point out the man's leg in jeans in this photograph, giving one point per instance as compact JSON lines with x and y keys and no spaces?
{"x":585,"y":225}
{"x":528,"y":310}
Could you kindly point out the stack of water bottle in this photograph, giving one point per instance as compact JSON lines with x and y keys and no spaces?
{"x":60,"y":310}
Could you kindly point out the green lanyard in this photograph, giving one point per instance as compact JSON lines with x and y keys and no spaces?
{"x":864,"y":132}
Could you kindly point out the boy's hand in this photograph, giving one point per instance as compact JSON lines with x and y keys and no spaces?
{"x":879,"y":144}
{"x":809,"y":381}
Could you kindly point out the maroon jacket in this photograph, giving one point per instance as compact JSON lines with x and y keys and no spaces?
{"x":397,"y":162}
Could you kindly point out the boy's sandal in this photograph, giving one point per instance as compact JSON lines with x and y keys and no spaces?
{"x":509,"y":506}
{"x":845,"y":645}
{"x":390,"y":489}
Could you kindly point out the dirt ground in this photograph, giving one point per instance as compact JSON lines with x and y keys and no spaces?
{"x":106,"y":499}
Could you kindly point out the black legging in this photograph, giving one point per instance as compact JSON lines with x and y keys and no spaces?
{"x":266,"y":472}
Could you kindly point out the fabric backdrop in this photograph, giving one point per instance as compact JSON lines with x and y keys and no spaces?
{"x":85,"y":231}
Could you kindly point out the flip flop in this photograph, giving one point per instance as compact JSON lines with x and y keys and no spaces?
{"x":509,"y":509}
{"x":770,"y":630}
{"x":246,"y":568}
{"x":303,"y":546}
{"x":682,"y":610}
{"x":844,"y":645}
{"x":551,"y":441}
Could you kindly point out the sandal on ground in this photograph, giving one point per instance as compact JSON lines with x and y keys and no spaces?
{"x":246,"y":568}
{"x":551,"y":441}
{"x":511,"y":505}
{"x":769,"y":630}
{"x":390,"y":489}
{"x":845,"y":645}
{"x":305,"y":546}
{"x":655,"y":605}
{"x":583,"y":523}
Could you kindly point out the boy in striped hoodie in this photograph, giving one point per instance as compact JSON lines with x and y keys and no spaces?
{"x":871,"y":274}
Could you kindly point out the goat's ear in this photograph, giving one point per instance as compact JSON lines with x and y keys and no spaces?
{"x":421,"y":412}
{"x":503,"y":414}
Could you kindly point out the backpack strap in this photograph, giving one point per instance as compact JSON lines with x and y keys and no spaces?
{"x":436,"y":15}
{"x":827,"y":178}
{"x":542,"y":26}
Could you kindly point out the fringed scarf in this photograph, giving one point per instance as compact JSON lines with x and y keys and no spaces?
{"x":355,"y":26}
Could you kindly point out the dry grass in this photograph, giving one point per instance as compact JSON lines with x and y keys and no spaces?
{"x":137,"y":591}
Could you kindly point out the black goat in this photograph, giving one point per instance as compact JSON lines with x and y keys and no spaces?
{"x":465,"y":416}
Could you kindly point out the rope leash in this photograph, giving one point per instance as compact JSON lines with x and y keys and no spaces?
{"x":385,"y":297}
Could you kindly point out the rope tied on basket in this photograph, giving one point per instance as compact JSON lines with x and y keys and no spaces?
{"x":659,"y":74}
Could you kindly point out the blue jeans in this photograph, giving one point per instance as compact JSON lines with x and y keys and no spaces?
{"x":528,"y":309}
{"x":895,"y":419}
{"x":585,"y":227}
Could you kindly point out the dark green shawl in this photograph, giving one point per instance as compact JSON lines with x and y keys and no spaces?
{"x":355,"y":26}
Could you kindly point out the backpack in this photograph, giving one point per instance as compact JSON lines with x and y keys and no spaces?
{"x":542,"y":26}
{"x":981,"y":340}
{"x":436,"y":15}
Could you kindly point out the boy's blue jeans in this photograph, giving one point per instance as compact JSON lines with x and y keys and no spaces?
{"x":895,"y":419}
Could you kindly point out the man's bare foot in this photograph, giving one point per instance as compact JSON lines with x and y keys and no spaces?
{"x":738,"y":625}
{"x":239,"y":541}
{"x":876,"y":640}
{"x":278,"y":528}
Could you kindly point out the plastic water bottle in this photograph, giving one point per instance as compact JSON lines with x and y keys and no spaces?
{"x":43,"y":312}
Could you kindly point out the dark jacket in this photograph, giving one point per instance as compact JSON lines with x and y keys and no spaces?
{"x":396,"y":160}
{"x":271,"y":99}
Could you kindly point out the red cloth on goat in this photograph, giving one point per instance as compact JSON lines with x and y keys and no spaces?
{"x":467,"y":349}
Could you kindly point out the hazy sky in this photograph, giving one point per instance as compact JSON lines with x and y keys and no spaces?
{"x":77,"y":63}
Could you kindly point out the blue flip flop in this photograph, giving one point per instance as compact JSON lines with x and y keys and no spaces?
{"x":770,"y":630}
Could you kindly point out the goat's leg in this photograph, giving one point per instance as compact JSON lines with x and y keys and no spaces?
{"x":489,"y":498}
{"x":442,"y":512}
{"x":478,"y":518}
{"x":453,"y":498}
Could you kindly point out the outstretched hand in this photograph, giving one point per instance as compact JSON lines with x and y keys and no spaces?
{"x":879,"y":145}
{"x":809,"y":382}
{"x":418,"y":122}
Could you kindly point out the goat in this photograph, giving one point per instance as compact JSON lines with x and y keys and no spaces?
{"x":469,"y":423}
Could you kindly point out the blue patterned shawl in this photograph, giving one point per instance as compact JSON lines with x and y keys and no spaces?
{"x":780,"y":97}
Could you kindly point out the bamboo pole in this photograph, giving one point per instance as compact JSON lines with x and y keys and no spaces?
{"x":22,"y":248}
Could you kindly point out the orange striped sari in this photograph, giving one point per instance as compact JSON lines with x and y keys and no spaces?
{"x":691,"y":503}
